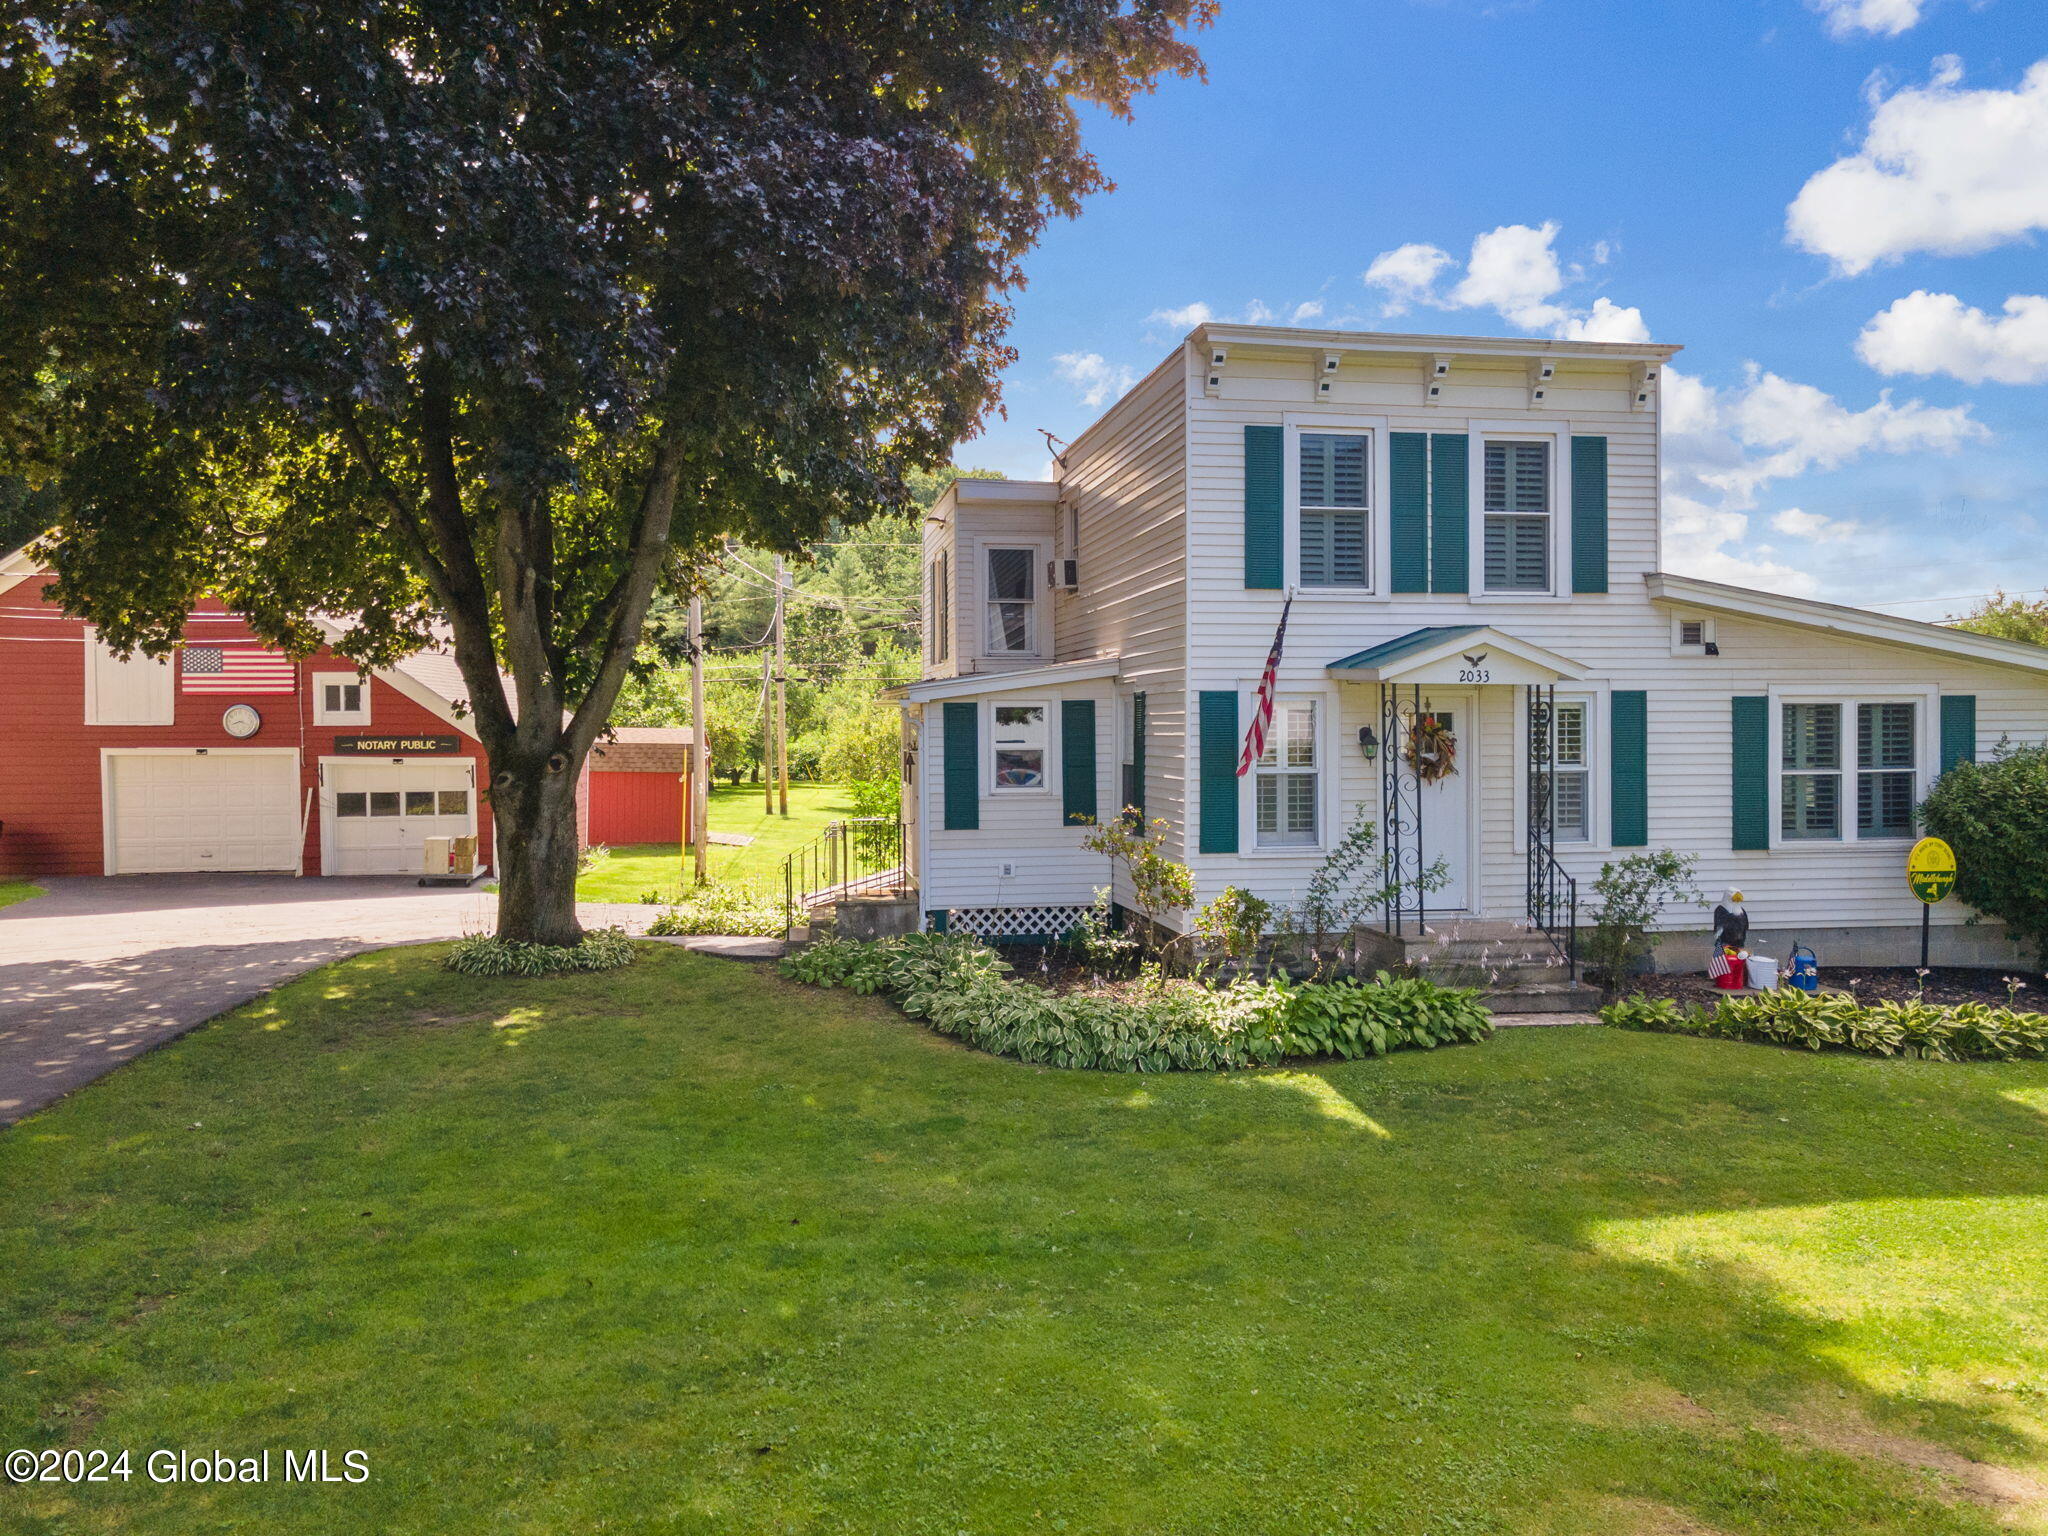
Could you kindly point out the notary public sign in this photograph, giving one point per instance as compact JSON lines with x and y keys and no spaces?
{"x":396,"y":746}
{"x":1931,"y":869}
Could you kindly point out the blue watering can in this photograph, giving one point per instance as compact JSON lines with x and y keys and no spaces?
{"x":1805,"y":970}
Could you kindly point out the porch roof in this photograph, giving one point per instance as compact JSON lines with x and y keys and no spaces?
{"x":1455,"y":653}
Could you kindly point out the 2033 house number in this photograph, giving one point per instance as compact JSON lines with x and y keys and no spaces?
{"x":1474,"y":675}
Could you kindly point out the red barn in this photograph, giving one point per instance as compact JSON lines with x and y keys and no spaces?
{"x":225,"y":755}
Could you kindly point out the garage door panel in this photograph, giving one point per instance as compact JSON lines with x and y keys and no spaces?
{"x":378,"y":815}
{"x":218,"y":811}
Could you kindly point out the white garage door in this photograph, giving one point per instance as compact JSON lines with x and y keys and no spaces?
{"x":219,"y":811}
{"x":378,"y":815}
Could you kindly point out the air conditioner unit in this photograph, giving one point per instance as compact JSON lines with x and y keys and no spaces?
{"x":1063,"y":574}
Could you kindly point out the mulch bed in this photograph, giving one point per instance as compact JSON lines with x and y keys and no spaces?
{"x":1875,"y":984}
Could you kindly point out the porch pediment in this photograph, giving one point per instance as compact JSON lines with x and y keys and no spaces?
{"x":1448,"y":655}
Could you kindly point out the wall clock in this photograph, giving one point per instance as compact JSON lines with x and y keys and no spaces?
{"x":241,"y":720}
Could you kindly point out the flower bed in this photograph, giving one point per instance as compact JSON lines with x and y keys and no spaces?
{"x":485,"y":954}
{"x":730,"y":907}
{"x":1964,"y":1032}
{"x":1156,"y":1024}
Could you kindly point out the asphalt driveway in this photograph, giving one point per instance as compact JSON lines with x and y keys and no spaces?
{"x":101,"y":970}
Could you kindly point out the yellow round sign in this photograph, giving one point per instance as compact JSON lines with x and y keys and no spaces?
{"x":1931,"y":869}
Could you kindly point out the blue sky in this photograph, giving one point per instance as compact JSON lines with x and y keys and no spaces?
{"x":1828,"y":202}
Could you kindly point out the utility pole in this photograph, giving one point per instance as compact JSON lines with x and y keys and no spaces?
{"x":781,"y":700}
{"x":767,"y":732}
{"x":700,"y":798}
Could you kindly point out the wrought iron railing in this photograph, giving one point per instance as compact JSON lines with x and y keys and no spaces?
{"x":860,"y":856}
{"x":1553,"y":895}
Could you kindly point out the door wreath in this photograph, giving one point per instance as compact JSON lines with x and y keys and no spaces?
{"x":1432,"y":749}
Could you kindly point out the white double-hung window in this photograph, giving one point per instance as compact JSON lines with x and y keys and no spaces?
{"x":1335,"y":502}
{"x":1517,"y":526}
{"x":1012,"y":602}
{"x":1286,"y":794}
{"x":1017,"y":743}
{"x":1823,"y":771}
{"x":1571,"y":772}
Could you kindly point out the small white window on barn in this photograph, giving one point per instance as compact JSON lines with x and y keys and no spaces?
{"x":1286,"y":795}
{"x":341,"y":698}
{"x":1018,"y":743}
{"x":1012,"y":602}
{"x":1335,"y":476}
{"x":1517,"y":519}
{"x":130,"y":690}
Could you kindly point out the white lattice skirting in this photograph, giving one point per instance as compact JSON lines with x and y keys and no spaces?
{"x":1013,"y":922}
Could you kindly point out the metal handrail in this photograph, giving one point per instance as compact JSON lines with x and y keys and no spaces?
{"x":1554,"y":908}
{"x":859,"y":855}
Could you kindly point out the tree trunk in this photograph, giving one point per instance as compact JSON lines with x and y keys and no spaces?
{"x":534,"y":806}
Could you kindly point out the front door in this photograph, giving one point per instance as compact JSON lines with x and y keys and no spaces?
{"x":1445,"y":802}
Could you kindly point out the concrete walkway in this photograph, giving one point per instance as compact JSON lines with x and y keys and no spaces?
{"x":99,"y":971}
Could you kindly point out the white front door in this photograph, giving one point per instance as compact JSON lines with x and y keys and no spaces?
{"x":217,"y":810}
{"x":378,"y":814}
{"x":1446,"y":808}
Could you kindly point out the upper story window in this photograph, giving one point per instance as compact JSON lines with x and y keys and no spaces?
{"x":1018,"y":742}
{"x":1012,"y":602}
{"x":340,"y":698}
{"x":127,"y":690}
{"x":1335,"y":480}
{"x":1286,"y":797}
{"x":940,"y":608}
{"x":1517,"y":530}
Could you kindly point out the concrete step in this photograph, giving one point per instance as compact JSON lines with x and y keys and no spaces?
{"x":1560,"y":997}
{"x":1498,"y":974}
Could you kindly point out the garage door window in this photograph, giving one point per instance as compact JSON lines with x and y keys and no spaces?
{"x":454,"y":802}
{"x":383,"y":802}
{"x":352,"y":803}
{"x":419,"y":802}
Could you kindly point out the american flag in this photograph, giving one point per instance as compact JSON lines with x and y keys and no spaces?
{"x":236,"y":669}
{"x":1262,"y":707}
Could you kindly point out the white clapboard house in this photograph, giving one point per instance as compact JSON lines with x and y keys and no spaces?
{"x":1469,"y":531}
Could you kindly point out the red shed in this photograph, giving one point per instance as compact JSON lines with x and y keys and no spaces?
{"x":638,"y":790}
{"x":225,"y":755}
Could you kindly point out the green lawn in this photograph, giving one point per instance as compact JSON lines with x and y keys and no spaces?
{"x":690,"y":1249}
{"x":640,"y":867}
{"x":12,"y":891}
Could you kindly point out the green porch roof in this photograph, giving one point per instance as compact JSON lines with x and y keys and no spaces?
{"x":1415,"y":640}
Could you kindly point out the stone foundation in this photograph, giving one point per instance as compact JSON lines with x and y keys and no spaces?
{"x":1972,"y":946}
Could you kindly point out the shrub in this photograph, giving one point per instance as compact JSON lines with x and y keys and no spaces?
{"x":1348,"y":1017}
{"x":1833,"y":1020}
{"x":959,"y":987}
{"x":1231,"y":926}
{"x":1099,"y":938}
{"x":485,"y":954}
{"x":732,"y":907}
{"x":1995,"y":816}
{"x":1159,"y":885}
{"x":1631,"y":893}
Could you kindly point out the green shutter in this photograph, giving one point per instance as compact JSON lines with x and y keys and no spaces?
{"x":1750,"y":719}
{"x":1628,"y":756}
{"x":1219,"y":749}
{"x":1408,"y":518}
{"x":1589,"y":514}
{"x":1077,"y":761}
{"x":1134,"y":790}
{"x":1264,"y":537}
{"x":1958,"y":729}
{"x":963,"y":767}
{"x":1450,"y":506}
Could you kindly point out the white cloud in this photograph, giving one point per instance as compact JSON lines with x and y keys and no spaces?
{"x":1929,"y":333}
{"x":1815,"y":527}
{"x":1099,"y":380}
{"x":1874,"y":18}
{"x":1311,"y":310}
{"x":1513,"y":270}
{"x":1185,"y":318}
{"x":1941,"y":169}
{"x":1407,"y":275}
{"x":1723,"y":447}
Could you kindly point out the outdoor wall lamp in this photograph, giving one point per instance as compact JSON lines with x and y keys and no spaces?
{"x":1368,"y":743}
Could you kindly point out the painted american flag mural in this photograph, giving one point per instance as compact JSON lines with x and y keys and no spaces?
{"x":1262,"y":706}
{"x":239,"y":669}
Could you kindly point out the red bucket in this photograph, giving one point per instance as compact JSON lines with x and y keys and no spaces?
{"x":1729,"y":972}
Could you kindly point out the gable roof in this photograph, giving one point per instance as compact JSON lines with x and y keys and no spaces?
{"x":1834,"y":618}
{"x":643,"y":749}
{"x":1406,"y":657}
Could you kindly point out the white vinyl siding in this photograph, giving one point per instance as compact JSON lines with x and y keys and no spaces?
{"x":1517,"y":522}
{"x":131,"y":690}
{"x":1286,"y":789}
{"x":1336,"y":473}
